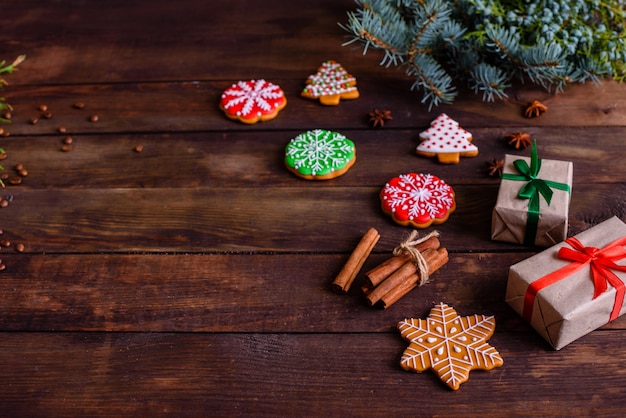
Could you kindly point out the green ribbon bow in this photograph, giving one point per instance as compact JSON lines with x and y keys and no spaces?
{"x":532,"y":190}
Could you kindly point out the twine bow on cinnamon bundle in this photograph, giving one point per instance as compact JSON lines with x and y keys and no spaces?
{"x":413,"y":261}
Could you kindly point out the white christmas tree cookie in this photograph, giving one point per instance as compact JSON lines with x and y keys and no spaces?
{"x":253,"y":101}
{"x":330,"y":84}
{"x":446,"y":140}
{"x":320,"y":155}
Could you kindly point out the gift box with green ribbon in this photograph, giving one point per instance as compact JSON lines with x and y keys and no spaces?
{"x":533,"y":201}
{"x":574,"y":287}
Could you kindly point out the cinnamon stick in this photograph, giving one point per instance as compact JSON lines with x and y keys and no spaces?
{"x":351,"y":269}
{"x":435,"y":261}
{"x":379,"y":273}
{"x":398,"y":292}
{"x":400,"y":275}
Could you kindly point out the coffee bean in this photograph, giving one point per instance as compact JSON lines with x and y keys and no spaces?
{"x":7,"y":115}
{"x":47,"y":115}
{"x":138,"y":148}
{"x":43,"y":108}
{"x":93,"y":118}
{"x":4,"y":176}
{"x":2,"y":266}
{"x":79,"y":105}
{"x":66,"y":148}
{"x":20,"y":247}
{"x":19,"y":166}
{"x":33,"y":121}
{"x":5,"y":133}
{"x":61,"y":129}
{"x":4,"y":203}
{"x":5,"y":243}
{"x":15,"y":180}
{"x":68,"y":140}
{"x":23,"y":172}
{"x":3,"y":155}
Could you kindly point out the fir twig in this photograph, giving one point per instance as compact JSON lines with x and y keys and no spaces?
{"x":491,"y":42}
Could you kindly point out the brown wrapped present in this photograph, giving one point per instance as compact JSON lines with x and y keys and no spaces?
{"x":574,"y":287}
{"x":533,"y":201}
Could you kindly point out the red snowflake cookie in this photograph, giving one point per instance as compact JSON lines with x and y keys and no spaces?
{"x":253,"y":101}
{"x":419,"y":200}
{"x":446,"y":140}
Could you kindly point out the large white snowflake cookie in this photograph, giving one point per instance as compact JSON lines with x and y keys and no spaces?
{"x":446,"y":140}
{"x":253,"y":101}
{"x":319,"y":155}
{"x":419,"y":200}
{"x":449,"y":344}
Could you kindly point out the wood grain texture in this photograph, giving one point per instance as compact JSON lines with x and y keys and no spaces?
{"x":193,"y":278}
{"x":103,"y":374}
{"x":254,"y":219}
{"x":242,"y":159}
{"x":232,"y":293}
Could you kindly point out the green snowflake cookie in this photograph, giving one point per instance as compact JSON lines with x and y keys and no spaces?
{"x":319,"y":155}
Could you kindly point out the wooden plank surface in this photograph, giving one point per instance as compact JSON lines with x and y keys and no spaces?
{"x":193,"y":278}
{"x":267,"y":375}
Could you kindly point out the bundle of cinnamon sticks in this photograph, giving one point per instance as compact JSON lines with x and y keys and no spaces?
{"x":411,"y":265}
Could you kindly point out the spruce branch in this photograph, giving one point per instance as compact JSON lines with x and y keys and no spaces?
{"x":490,"y":43}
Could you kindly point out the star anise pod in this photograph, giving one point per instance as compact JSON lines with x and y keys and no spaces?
{"x":495,"y":167}
{"x":519,"y":139}
{"x":536,"y":108}
{"x":379,"y":117}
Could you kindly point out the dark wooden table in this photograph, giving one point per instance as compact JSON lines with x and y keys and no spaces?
{"x":193,"y":278}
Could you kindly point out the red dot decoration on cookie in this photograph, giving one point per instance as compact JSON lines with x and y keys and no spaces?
{"x":446,"y":139}
{"x":418,"y":200}
{"x":253,"y":101}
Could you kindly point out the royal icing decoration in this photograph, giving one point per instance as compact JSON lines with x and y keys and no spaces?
{"x":253,"y":100}
{"x":331,"y":83}
{"x":418,"y":199}
{"x":448,"y":344}
{"x":319,"y":153}
{"x":447,"y":137}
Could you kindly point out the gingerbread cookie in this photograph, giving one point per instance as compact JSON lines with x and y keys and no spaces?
{"x":330,"y":84}
{"x":253,"y":101}
{"x":450,"y":345}
{"x":446,"y":140}
{"x":320,"y":155}
{"x":419,"y":200}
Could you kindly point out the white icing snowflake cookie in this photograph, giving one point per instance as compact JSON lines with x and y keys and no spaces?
{"x":446,"y":140}
{"x":449,"y":344}
{"x":253,"y":101}
{"x":330,"y":84}
{"x":319,"y":155}
{"x":419,"y":200}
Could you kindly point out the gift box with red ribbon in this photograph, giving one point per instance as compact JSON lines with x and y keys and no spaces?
{"x":533,"y":201}
{"x":574,"y":287}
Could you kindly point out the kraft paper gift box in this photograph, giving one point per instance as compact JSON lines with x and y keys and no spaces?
{"x":574,"y":287}
{"x":532,"y":207}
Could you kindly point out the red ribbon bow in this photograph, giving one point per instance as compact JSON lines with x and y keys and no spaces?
{"x":601,"y":262}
